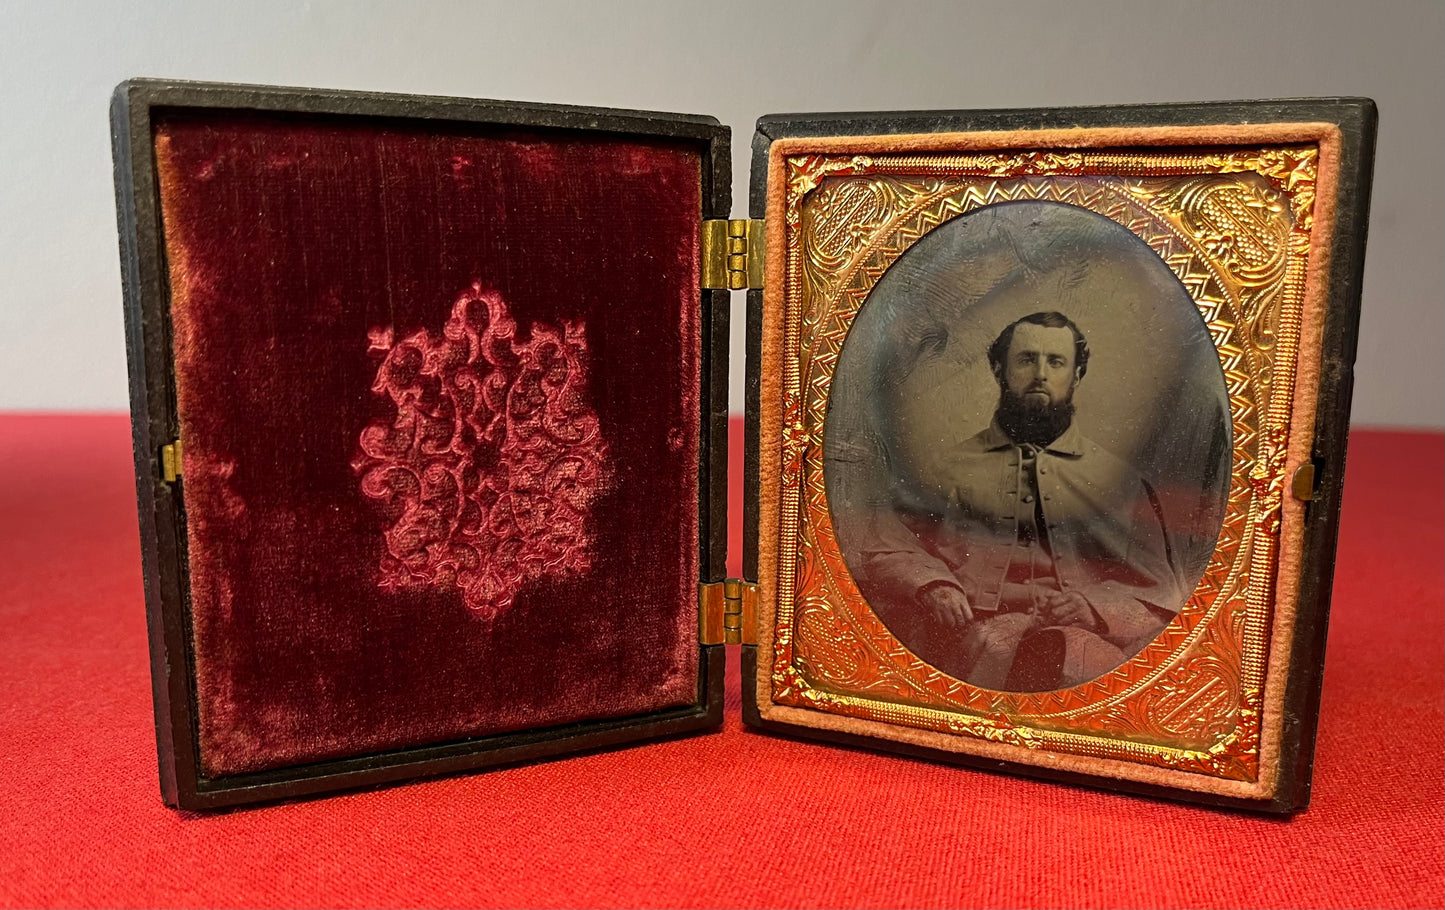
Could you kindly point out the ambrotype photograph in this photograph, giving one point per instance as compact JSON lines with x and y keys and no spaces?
{"x":1028,"y":447}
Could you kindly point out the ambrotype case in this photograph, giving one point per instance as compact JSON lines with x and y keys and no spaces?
{"x":1053,"y":410}
{"x":425,"y":395}
{"x":1047,"y":415}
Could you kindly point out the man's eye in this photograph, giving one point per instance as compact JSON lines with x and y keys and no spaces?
{"x":1056,"y":361}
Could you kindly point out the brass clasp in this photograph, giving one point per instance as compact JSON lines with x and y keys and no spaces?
{"x":171,"y":455}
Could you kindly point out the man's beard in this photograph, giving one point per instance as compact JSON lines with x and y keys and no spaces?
{"x":1033,"y":424}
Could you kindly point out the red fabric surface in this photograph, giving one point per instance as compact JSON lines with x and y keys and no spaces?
{"x":735,"y":818}
{"x":304,"y":251}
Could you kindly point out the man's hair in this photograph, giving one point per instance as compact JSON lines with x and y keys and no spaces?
{"x":998,"y":351}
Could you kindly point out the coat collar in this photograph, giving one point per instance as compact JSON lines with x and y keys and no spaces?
{"x":1070,"y":443}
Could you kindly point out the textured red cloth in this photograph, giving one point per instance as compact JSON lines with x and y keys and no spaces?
{"x":304,"y":253}
{"x":736,"y":818}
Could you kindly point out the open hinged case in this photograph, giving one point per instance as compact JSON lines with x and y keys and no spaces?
{"x":1046,"y":427}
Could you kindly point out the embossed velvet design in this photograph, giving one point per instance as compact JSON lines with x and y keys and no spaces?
{"x":300,"y":249}
{"x":491,"y":464}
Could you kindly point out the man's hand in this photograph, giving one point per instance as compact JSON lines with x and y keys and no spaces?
{"x":949,"y":606}
{"x":1070,"y":608}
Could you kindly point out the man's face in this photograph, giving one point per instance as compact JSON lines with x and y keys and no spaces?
{"x":1040,"y":365}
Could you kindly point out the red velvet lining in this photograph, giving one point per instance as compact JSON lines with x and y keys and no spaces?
{"x":332,"y":617}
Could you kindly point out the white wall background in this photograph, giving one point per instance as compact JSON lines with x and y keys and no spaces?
{"x":61,"y":336}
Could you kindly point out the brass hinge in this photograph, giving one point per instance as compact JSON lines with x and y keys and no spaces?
{"x":171,"y":455}
{"x":732,"y":253}
{"x":728,"y":612}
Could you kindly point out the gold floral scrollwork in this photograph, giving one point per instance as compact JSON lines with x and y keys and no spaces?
{"x":1267,"y":478}
{"x":1292,"y":170}
{"x":1234,"y":227}
{"x":997,"y":729}
{"x":1240,"y":224}
{"x":1247,"y":227}
{"x":849,"y":206}
{"x":805,"y":171}
{"x":1034,"y":163}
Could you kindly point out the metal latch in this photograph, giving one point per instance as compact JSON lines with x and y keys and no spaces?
{"x":1303,"y":483}
{"x":728,"y":612}
{"x":171,"y":455}
{"x":732,"y":253}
